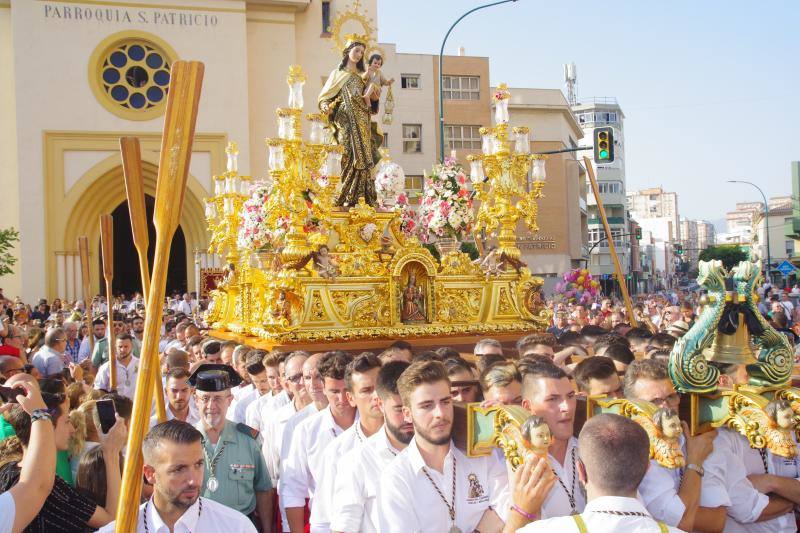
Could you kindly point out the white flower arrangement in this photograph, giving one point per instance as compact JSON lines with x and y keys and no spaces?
{"x":446,"y":204}
{"x":390,"y":181}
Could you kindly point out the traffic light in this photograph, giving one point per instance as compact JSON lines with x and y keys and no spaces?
{"x":638,"y":233}
{"x":603,"y":145}
{"x":678,"y":248}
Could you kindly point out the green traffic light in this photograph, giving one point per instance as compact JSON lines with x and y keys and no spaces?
{"x":603,"y":154}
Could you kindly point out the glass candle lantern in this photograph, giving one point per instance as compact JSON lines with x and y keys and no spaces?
{"x":522,"y":141}
{"x":276,"y":159}
{"x":539,"y":171}
{"x":296,"y":95}
{"x":317,"y":133}
{"x":476,"y":174}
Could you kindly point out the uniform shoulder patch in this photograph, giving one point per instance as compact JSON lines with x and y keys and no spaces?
{"x":247,"y":430}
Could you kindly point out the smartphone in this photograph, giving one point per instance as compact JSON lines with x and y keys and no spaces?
{"x":106,"y":412}
{"x":9,"y":394}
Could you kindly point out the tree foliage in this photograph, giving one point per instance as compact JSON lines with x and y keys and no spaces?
{"x":729,"y":254}
{"x":8,"y":237}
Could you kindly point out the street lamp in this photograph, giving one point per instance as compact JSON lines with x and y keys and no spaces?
{"x":766,"y":218}
{"x":441,"y":54}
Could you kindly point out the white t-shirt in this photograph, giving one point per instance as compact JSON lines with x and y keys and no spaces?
{"x":7,"y":512}
{"x":212,"y":518}
{"x":410,"y":495}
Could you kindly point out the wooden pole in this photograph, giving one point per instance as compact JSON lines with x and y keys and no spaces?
{"x":134,"y":188}
{"x":86,"y":278}
{"x":611,"y":248}
{"x":107,"y":243}
{"x":176,"y":150}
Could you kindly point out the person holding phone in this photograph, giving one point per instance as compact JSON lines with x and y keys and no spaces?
{"x":37,"y":474}
{"x":64,"y":508}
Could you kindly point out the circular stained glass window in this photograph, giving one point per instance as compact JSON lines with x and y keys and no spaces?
{"x":131,"y":76}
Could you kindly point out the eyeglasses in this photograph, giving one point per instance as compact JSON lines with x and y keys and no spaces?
{"x":14,"y":372}
{"x":216,"y":400}
{"x":672,"y":398}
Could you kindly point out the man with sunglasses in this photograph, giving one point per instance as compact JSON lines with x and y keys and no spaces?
{"x":10,"y":366}
{"x":670,"y":495}
{"x":272,"y":431}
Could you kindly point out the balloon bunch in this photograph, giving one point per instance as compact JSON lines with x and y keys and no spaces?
{"x":578,"y":286}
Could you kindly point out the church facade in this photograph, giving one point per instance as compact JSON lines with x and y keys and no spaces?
{"x":80,"y":74}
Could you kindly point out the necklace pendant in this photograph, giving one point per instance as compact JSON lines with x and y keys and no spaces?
{"x":454,"y":529}
{"x":212,"y":484}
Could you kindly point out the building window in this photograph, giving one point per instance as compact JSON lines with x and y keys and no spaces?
{"x":326,"y":16}
{"x":610,"y":187}
{"x":412,"y":138}
{"x":789,"y":245}
{"x":461,"y":87}
{"x":414,"y":183}
{"x":467,"y":137}
{"x":409,"y":81}
{"x":131,"y":76}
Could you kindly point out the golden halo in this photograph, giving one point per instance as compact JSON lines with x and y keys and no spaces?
{"x":340,"y":34}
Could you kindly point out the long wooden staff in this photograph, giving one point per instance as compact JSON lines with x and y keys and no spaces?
{"x":107,"y":243}
{"x":176,"y":150}
{"x":86,"y":277}
{"x":134,"y":188}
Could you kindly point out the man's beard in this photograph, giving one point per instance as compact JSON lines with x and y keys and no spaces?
{"x":438,"y":442}
{"x":398,"y":433}
{"x":177,"y":502}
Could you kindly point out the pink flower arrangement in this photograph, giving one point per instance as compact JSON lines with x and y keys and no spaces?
{"x":253,"y":231}
{"x":577,"y":286}
{"x":446,"y":204}
{"x":409,"y":221}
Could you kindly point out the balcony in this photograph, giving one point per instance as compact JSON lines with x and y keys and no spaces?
{"x":611,"y":220}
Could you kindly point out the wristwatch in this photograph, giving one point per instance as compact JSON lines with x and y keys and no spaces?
{"x":40,"y":414}
{"x":699,"y":469}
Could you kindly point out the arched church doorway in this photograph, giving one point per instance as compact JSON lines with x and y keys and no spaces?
{"x":127,"y":277}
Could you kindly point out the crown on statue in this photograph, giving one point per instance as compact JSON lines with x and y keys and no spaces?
{"x":351,"y":38}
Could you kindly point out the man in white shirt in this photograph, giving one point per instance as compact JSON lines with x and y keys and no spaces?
{"x":258,"y":377}
{"x":674,"y":495}
{"x":302,"y":466}
{"x":262,"y":409}
{"x":180,"y":398}
{"x":360,"y":377}
{"x":614,"y":458}
{"x":358,"y":473}
{"x":763,"y":488}
{"x":547,"y":392}
{"x":127,"y":368}
{"x":186,"y":305}
{"x":431,"y":486}
{"x":272,"y":433}
{"x":174,"y":465}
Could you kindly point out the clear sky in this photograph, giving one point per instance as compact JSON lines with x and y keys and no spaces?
{"x":706,"y":86}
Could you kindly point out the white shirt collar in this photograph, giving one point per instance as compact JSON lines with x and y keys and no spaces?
{"x":615,"y":503}
{"x":188,"y":519}
{"x":415,"y":457}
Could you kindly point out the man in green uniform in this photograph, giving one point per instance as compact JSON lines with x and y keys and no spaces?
{"x":235,"y":474}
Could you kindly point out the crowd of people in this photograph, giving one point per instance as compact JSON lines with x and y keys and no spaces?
{"x":272,"y":441}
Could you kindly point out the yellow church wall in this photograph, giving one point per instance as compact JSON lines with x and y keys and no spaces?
{"x":9,"y":215}
{"x":54,"y":95}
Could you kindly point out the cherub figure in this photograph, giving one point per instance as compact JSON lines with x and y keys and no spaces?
{"x":491,"y":264}
{"x":324,"y":264}
{"x":374,"y":81}
{"x":664,"y":430}
{"x":780,"y":434}
{"x":281,"y":309}
{"x":536,"y":436}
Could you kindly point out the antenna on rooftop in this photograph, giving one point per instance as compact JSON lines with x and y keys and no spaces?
{"x":571,"y":81}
